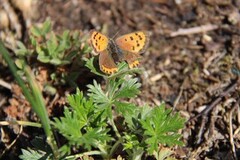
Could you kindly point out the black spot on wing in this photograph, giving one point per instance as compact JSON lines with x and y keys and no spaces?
{"x":137,"y":43}
{"x":94,"y":37}
{"x":131,"y":38}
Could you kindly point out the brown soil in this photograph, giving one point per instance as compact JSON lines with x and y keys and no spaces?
{"x":192,"y":64}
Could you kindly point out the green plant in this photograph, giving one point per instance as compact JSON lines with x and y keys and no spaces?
{"x":33,"y":95}
{"x":101,"y":121}
{"x":59,"y":50}
{"x":90,"y":123}
{"x":53,"y":48}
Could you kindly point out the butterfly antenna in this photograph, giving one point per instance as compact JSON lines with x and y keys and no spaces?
{"x":116,"y":34}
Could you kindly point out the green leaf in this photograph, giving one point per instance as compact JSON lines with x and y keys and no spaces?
{"x":69,"y":125}
{"x":65,"y":149}
{"x":131,"y":141}
{"x":76,"y":35}
{"x":40,"y":145}
{"x":82,"y":107}
{"x":33,"y":41}
{"x":86,"y":49}
{"x":55,"y":61}
{"x":64,"y":42}
{"x":21,"y":45}
{"x":21,"y":52}
{"x":82,"y":125}
{"x":161,"y":128}
{"x":40,"y":51}
{"x":90,"y":65}
{"x":93,"y":137}
{"x":43,"y":59}
{"x":132,"y":146}
{"x":99,"y":97}
{"x":65,"y":35}
{"x":52,"y":46}
{"x":33,"y":155}
{"x":71,"y":55}
{"x":128,"y":89}
{"x":47,"y":26}
{"x":36,"y":31}
{"x":130,"y":113}
{"x":114,"y":85}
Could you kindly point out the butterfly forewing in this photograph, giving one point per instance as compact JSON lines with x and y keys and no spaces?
{"x":98,"y":41}
{"x":132,"y":45}
{"x":135,"y":42}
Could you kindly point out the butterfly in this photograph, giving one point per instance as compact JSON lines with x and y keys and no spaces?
{"x":127,"y":47}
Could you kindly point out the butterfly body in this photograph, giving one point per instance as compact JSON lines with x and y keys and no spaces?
{"x":115,"y":51}
{"x":125,"y":48}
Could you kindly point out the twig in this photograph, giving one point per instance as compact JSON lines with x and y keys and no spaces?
{"x":5,"y":84}
{"x":231,"y":130}
{"x":230,"y":88}
{"x":202,"y":127}
{"x":194,"y":30}
{"x":13,"y":142}
{"x":238,"y":114}
{"x":13,"y":17}
{"x":178,"y":97}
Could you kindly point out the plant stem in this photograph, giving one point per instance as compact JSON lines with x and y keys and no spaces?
{"x":83,"y":154}
{"x":113,"y":149}
{"x":110,"y":112}
{"x":114,"y":127}
{"x":134,"y":70}
{"x":22,"y":123}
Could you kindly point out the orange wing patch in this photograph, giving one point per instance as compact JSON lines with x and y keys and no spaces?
{"x":133,"y":64}
{"x":99,"y":41}
{"x":135,"y":42}
{"x":108,"y":70}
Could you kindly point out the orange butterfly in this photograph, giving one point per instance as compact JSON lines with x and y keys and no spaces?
{"x":125,"y":48}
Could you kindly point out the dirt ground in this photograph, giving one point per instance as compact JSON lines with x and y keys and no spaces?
{"x":192,"y":63}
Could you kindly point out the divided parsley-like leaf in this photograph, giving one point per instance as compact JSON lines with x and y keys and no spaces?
{"x":161,"y":127}
{"x":81,"y":125}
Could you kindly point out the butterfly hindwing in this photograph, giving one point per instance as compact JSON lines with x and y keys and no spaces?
{"x":131,"y":58}
{"x":106,"y":63}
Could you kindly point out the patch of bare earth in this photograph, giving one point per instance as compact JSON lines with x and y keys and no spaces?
{"x":191,"y":64}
